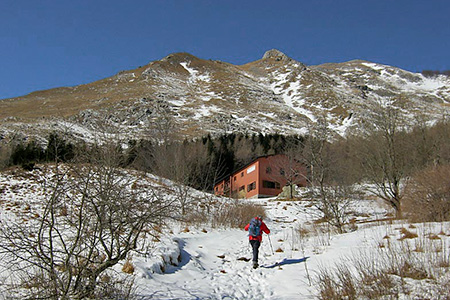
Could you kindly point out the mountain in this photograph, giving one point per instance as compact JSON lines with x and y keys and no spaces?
{"x":186,"y":96}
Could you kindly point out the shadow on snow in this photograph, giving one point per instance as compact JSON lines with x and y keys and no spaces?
{"x":286,"y":261}
{"x":185,"y":258}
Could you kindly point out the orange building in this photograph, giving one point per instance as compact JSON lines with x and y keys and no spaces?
{"x":264,"y":177}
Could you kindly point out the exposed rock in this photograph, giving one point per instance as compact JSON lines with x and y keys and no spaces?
{"x":277,"y":55}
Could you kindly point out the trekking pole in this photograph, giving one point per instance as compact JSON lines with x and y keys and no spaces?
{"x":270,"y":242}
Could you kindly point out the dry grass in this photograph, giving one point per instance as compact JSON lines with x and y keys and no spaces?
{"x":105,"y":278}
{"x":128,"y":267}
{"x":243,"y":259}
{"x":381,"y":274}
{"x":433,"y":236}
{"x":408,"y":270}
{"x":406,"y":234}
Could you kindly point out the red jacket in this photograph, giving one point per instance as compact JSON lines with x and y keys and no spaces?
{"x":263,"y":228}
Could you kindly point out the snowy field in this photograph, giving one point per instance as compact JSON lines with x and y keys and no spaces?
{"x":212,"y":265}
{"x":201,"y":262}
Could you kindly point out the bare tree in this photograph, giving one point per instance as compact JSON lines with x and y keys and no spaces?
{"x":385,"y":154}
{"x":93,"y":217}
{"x":171,"y":161}
{"x":330,"y":196}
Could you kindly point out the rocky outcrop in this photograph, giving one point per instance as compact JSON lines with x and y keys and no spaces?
{"x":276,"y":55}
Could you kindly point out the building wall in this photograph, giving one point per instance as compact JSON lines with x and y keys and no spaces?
{"x":220,"y":188}
{"x":245,"y":182}
{"x":264,"y":177}
{"x":271,"y":182}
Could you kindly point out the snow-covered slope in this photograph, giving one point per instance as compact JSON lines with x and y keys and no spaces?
{"x":197,"y":96}
{"x":212,"y":263}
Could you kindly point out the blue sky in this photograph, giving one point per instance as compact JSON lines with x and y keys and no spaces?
{"x":54,"y":43}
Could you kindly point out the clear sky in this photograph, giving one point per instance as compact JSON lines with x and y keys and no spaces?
{"x":54,"y":43}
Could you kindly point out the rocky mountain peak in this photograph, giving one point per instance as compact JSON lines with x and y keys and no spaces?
{"x":277,"y":55}
{"x":179,"y":57}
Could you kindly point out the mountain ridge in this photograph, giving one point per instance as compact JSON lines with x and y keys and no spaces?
{"x":197,"y":96}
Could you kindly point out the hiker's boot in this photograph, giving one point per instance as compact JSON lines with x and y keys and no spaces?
{"x":255,"y":265}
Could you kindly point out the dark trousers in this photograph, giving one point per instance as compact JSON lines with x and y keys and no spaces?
{"x":255,"y":246}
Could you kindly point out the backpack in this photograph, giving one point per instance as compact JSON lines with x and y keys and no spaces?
{"x":255,"y":227}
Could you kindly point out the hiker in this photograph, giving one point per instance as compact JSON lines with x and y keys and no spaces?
{"x":256,"y":227}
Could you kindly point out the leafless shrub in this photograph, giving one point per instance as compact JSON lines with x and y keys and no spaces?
{"x":321,"y":235}
{"x":304,"y":232}
{"x":115,"y":289}
{"x":348,"y":284}
{"x":427,"y":195}
{"x":333,"y":202}
{"x":302,"y":238}
{"x":196,"y":218}
{"x":374,"y":283}
{"x":237,"y":214}
{"x":336,"y":283}
{"x":103,"y":220}
{"x":327,"y":286}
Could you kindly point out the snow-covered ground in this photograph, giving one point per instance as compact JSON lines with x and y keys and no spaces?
{"x":212,"y":265}
{"x":201,"y":262}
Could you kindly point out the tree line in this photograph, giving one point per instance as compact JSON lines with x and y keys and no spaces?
{"x":386,"y":156}
{"x":29,"y":153}
{"x":432,"y":73}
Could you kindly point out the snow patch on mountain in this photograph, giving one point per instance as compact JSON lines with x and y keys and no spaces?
{"x":288,"y":87}
{"x":195,"y":76}
{"x":376,"y":67}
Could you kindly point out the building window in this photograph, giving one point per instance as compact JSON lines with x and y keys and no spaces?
{"x":242,"y":174}
{"x":270,"y":184}
{"x":251,"y":186}
{"x":234,"y":178}
{"x":268,"y":170}
{"x":241,"y":188}
{"x":282,"y":172}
